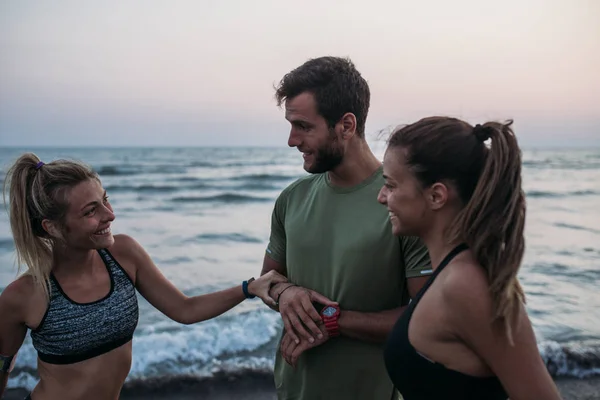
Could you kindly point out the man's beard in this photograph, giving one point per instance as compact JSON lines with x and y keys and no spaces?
{"x":328,"y":156}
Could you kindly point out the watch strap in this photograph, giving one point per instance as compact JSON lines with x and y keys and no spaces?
{"x":332,"y":327}
{"x":331,"y":323}
{"x":245,"y":288}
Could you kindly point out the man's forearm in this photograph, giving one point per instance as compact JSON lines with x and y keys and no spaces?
{"x":369,"y":327}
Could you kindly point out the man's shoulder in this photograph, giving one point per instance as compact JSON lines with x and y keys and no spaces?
{"x":415,"y":256}
{"x":408,"y":240}
{"x":301,"y":185}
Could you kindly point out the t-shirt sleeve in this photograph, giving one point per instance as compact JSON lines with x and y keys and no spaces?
{"x":277,"y":240}
{"x":415,"y":257}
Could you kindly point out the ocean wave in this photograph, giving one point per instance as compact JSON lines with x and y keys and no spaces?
{"x":582,"y":164}
{"x":578,"y":360}
{"x":111,"y":170}
{"x":214,"y":351}
{"x":142,"y":188}
{"x":576,"y":227}
{"x":220,"y":198}
{"x":252,"y":182}
{"x":572,"y":273}
{"x":249,"y":163}
{"x":168,"y":350}
{"x":221,"y":164}
{"x":258,"y":186}
{"x":263,"y":177}
{"x":542,"y":193}
{"x":187,"y":179}
{"x":203,"y":164}
{"x":224,"y":237}
{"x":125,"y":170}
{"x":7,"y":244}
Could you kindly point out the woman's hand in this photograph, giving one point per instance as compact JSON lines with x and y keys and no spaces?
{"x":261,"y":286}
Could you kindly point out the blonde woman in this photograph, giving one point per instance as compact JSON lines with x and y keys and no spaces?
{"x":78,"y":296}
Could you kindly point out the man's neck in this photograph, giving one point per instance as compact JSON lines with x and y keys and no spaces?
{"x":359,"y":164}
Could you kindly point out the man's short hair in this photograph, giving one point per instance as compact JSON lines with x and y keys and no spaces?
{"x":337,"y":86}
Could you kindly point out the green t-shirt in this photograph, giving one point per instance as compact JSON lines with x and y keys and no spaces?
{"x":339,"y":242}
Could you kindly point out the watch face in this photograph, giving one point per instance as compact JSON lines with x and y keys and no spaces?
{"x":329,"y":311}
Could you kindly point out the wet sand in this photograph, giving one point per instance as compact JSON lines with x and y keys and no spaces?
{"x":259,"y":386}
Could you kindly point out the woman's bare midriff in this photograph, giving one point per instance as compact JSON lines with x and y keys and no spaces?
{"x":98,"y":378}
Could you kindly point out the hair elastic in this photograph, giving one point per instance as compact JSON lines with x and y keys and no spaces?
{"x":482,"y":133}
{"x":39,"y":165}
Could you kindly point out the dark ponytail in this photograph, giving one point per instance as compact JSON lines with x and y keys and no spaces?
{"x":493,"y":221}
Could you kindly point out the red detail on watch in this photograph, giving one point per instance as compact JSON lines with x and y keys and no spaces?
{"x":330,"y":316}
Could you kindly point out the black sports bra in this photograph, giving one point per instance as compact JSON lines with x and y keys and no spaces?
{"x":418,"y":378}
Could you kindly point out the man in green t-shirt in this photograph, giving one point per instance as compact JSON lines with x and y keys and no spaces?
{"x":349,"y":276}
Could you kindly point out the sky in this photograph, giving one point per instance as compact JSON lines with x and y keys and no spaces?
{"x":201,"y":73}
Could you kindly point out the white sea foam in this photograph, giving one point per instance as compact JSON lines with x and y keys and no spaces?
{"x":168,"y":349}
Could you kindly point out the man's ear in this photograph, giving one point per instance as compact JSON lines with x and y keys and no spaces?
{"x":348,"y":123}
{"x":52,"y":229}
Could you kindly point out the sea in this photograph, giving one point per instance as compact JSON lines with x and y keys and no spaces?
{"x":203,"y":214}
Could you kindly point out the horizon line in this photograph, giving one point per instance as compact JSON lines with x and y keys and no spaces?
{"x":578,"y":146}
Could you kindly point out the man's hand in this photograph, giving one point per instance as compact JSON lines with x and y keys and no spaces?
{"x":291,"y":351}
{"x":298,"y":312}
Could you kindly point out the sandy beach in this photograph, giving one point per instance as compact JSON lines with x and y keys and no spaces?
{"x":258,"y":386}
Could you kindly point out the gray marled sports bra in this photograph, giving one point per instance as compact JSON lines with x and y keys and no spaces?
{"x":71,"y":332}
